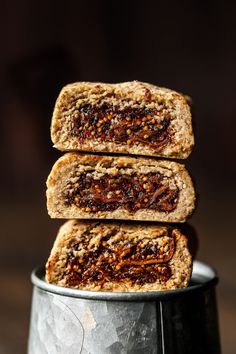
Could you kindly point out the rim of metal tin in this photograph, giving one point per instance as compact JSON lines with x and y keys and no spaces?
{"x":203,"y":276}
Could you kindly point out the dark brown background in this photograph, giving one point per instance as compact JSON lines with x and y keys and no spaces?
{"x":185,"y":45}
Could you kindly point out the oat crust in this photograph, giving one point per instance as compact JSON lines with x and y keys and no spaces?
{"x":71,"y":231}
{"x":77,"y":94}
{"x":113,"y":165}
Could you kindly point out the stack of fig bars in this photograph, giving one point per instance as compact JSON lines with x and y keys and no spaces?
{"x":120,"y":187}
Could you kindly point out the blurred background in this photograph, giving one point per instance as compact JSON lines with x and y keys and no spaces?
{"x":189,"y":46}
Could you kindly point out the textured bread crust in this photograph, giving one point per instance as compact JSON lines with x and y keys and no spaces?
{"x":134,"y":93}
{"x":113,"y":165}
{"x":70,"y":233}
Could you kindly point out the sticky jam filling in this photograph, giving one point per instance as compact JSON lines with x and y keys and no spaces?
{"x":133,"y":263}
{"x":131,"y":192}
{"x":129,"y":125}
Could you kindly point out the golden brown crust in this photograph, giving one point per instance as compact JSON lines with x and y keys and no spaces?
{"x":71,"y":232}
{"x":77,"y":94}
{"x":70,"y":162}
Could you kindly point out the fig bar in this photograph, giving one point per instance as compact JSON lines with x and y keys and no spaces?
{"x":119,"y":257}
{"x":130,"y":118}
{"x":128,"y":188}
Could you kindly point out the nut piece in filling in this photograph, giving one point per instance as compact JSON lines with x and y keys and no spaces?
{"x":119,"y":257}
{"x":131,"y":117}
{"x":90,"y":186}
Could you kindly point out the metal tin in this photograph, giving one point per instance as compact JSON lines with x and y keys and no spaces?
{"x":70,"y":321}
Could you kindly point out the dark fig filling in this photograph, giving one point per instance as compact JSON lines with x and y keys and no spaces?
{"x":131,"y":192}
{"x":133,"y":263}
{"x":122,"y":125}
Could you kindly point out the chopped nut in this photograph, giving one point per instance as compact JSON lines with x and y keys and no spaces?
{"x":146,"y":200}
{"x":145,"y":178}
{"x":128,"y":131}
{"x":88,"y":209}
{"x":128,"y":118}
{"x":118,"y":192}
{"x":145,"y":128}
{"x":118,"y":267}
{"x":145,"y":136}
{"x":128,"y":141}
{"x":99,"y":129}
{"x":77,"y":198}
{"x":69,"y":266}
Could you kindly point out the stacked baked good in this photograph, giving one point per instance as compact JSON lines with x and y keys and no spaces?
{"x":133,"y":245}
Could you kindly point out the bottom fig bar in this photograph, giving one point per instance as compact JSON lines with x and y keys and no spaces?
{"x":182,"y":321}
{"x":115,"y":256}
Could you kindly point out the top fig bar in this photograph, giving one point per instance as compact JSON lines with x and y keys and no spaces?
{"x":130,"y":118}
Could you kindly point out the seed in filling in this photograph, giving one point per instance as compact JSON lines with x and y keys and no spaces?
{"x":129,"y":125}
{"x":131,"y":192}
{"x":119,"y":261}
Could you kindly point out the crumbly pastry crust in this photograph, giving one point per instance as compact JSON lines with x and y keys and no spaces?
{"x":72,"y":231}
{"x":70,"y":162}
{"x":134,"y":93}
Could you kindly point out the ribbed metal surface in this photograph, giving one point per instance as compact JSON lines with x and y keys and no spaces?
{"x":72,"y":321}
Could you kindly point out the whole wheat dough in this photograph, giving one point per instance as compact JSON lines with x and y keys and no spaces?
{"x":110,"y":187}
{"x":130,"y":118}
{"x":100,"y":256}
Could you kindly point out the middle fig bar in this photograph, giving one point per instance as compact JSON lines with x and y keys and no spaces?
{"x":111,"y":187}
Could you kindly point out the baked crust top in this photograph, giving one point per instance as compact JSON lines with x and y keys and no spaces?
{"x":169,"y":130}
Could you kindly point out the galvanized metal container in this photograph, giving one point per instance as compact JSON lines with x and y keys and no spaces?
{"x":68,"y":321}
